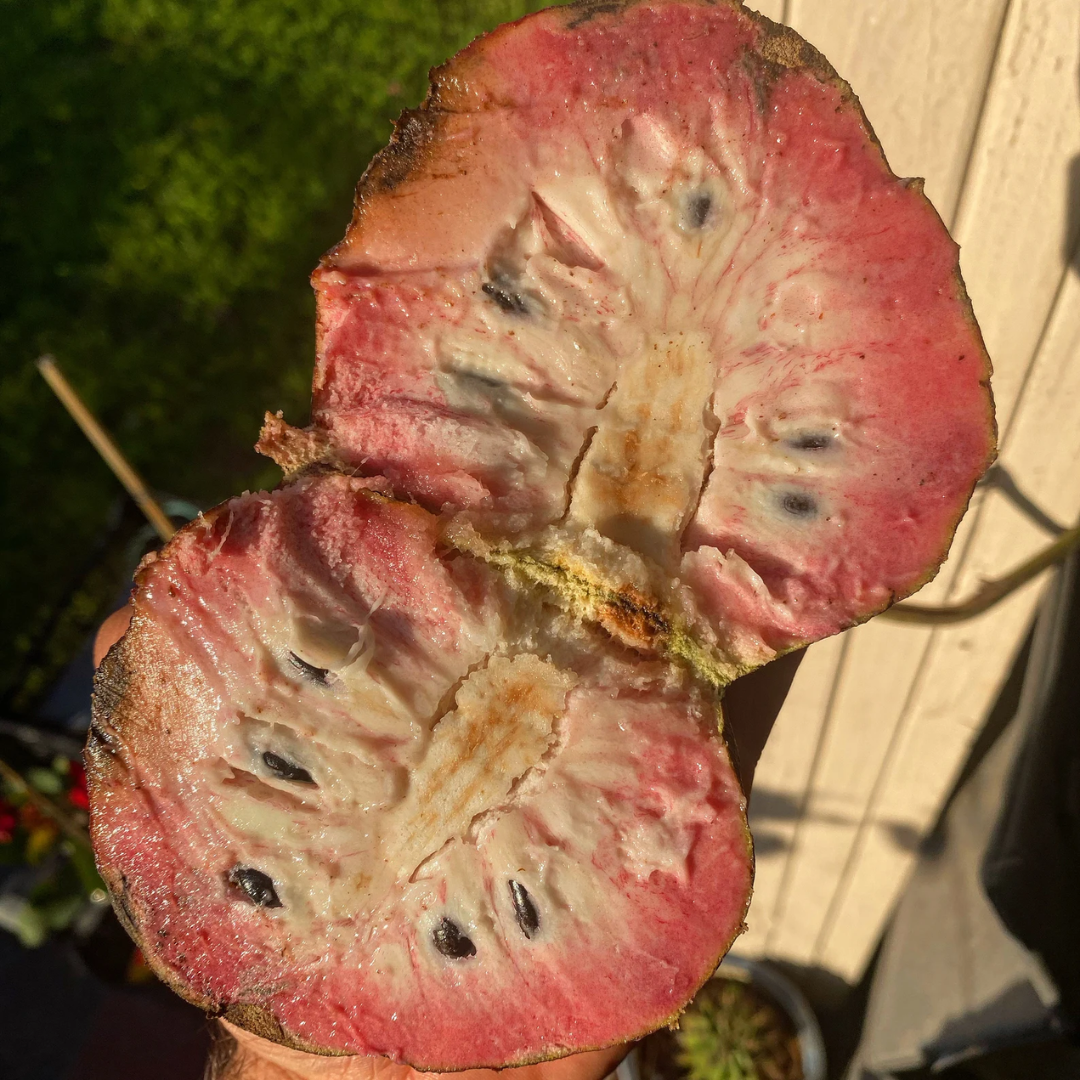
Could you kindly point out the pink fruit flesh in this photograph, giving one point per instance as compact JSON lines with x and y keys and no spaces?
{"x":636,"y":223}
{"x":388,"y":743}
{"x":636,"y":313}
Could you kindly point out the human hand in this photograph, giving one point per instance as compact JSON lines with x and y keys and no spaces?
{"x":750,"y":709}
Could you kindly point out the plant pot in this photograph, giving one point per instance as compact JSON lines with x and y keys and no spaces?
{"x":766,"y":983}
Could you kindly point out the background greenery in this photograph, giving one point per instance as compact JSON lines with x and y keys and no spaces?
{"x":170,"y":171}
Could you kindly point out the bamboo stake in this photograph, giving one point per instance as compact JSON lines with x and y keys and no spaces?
{"x":991,"y":591}
{"x":106,"y":447}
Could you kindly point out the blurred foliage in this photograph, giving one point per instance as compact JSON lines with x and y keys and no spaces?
{"x":60,"y":881}
{"x":170,"y":171}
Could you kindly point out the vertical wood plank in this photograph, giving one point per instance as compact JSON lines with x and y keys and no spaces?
{"x":1013,"y":214}
{"x":885,"y":849}
{"x":968,"y":662}
{"x":920,"y":68}
{"x":868,"y":702}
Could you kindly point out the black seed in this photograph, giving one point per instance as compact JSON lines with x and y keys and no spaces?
{"x":483,"y":380}
{"x":527,"y":916}
{"x":511,"y":302}
{"x":256,"y":886}
{"x":799,"y":504}
{"x":451,"y":941}
{"x":812,"y":440}
{"x":698,"y":208}
{"x":286,"y":770}
{"x":309,"y":671}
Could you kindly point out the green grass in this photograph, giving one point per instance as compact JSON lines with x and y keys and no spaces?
{"x":170,"y":171}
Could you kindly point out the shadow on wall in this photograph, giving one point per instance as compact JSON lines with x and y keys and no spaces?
{"x":1071,"y":249}
{"x":768,"y":806}
{"x":1072,"y":220}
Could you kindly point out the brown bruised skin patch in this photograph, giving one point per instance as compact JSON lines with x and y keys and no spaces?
{"x":257,"y":1020}
{"x":261,"y":1021}
{"x":292,"y":449}
{"x":413,"y":134}
{"x":635,"y":619}
{"x":111,"y":681}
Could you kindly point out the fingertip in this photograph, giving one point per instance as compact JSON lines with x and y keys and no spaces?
{"x":110,"y":632}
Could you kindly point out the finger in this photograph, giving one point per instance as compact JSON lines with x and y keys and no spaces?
{"x":110,"y":632}
{"x":260,"y":1059}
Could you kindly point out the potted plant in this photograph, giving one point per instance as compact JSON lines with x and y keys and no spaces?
{"x":747,"y":1022}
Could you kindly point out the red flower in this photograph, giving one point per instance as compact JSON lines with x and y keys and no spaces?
{"x":77,"y":792}
{"x":9,"y":820}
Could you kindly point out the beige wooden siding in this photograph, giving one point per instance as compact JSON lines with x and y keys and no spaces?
{"x":982,"y":97}
{"x":774,"y":9}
